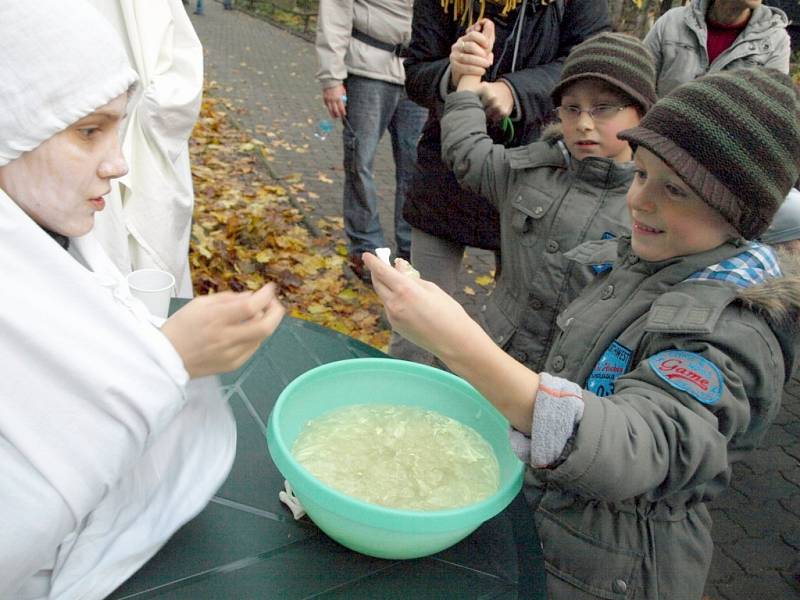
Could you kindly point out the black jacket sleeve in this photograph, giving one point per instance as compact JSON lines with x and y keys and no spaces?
{"x":432,"y":33}
{"x":548,"y":36}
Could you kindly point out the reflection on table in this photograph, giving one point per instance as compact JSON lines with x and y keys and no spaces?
{"x":245,"y":544}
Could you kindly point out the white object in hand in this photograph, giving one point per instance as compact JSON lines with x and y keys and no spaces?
{"x":384,"y":254}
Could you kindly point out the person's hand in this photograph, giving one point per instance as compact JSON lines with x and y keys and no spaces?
{"x":419,"y":310}
{"x":497,"y":99}
{"x":219,"y":332}
{"x":471,"y":54}
{"x":333,"y":97}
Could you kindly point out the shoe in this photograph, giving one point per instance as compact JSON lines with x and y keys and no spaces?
{"x":202,"y":14}
{"x":356,"y":264}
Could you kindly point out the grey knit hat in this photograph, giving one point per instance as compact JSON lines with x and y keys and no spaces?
{"x":734,"y":138}
{"x":620,"y":60}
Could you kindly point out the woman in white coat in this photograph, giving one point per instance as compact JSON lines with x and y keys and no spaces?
{"x":148,"y":217}
{"x":112,"y":435}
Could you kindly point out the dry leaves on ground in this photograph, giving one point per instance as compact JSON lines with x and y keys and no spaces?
{"x":246,"y":233}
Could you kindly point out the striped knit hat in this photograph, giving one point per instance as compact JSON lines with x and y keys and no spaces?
{"x":734,"y":138}
{"x":618,"y":59}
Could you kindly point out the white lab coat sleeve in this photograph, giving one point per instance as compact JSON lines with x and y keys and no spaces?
{"x":34,"y":519}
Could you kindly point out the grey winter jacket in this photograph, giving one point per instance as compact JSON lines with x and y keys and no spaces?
{"x":548,"y":204}
{"x":340,"y":54}
{"x":678,"y":42}
{"x":622,"y":513}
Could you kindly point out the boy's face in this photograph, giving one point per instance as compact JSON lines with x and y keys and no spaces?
{"x":61,"y":183}
{"x":668,"y":218}
{"x":586,"y":136}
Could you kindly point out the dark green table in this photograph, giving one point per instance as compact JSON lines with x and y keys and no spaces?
{"x":245,"y":544}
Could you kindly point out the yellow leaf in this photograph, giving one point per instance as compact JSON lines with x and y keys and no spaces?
{"x":469,"y":291}
{"x":484,"y":280}
{"x":348,"y":295}
{"x":316,"y":309}
{"x":323,"y":178}
{"x":265,"y":256}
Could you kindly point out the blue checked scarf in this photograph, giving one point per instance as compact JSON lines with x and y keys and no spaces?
{"x":751,"y":267}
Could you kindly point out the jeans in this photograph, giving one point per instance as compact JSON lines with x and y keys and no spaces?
{"x":227,"y":4}
{"x":198,"y":7}
{"x":374,"y":106}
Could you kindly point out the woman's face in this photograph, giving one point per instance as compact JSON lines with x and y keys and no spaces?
{"x":61,"y":183}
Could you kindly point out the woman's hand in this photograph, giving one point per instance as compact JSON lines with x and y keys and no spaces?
{"x":219,"y":332}
{"x":497,"y":99}
{"x":472,"y":54}
{"x":419,"y":310}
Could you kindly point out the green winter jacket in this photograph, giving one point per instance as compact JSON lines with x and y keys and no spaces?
{"x":549,"y":203}
{"x":678,"y":42}
{"x":622,"y":513}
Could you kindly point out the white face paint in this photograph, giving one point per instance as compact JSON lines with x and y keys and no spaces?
{"x":61,"y":183}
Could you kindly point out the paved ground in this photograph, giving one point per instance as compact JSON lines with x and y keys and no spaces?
{"x":269,"y":73}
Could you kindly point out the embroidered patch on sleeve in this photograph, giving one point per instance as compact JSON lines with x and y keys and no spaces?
{"x":690,"y":373}
{"x":616,"y":361}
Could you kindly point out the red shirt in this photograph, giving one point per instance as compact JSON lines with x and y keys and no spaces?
{"x":721,"y":37}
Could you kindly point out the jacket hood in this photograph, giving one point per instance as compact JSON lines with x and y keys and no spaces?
{"x":552,"y":133}
{"x":763,"y":17}
{"x":777,"y":298}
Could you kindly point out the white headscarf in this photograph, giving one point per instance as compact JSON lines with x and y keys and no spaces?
{"x":60,"y":60}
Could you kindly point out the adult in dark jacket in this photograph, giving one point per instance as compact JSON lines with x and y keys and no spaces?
{"x":445,"y":218}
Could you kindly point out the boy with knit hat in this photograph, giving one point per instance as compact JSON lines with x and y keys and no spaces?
{"x":557,"y":193}
{"x":669,"y":366}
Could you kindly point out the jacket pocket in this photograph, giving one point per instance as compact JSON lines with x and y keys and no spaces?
{"x":529,"y":206}
{"x":580,"y":567}
{"x":494,"y":319}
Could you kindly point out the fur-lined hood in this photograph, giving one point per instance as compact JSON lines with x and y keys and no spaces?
{"x":552,"y":133}
{"x":777,"y":298}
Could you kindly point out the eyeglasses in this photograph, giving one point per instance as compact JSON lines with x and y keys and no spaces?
{"x":599,"y":113}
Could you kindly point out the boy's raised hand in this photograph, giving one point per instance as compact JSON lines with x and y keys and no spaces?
{"x":419,"y":310}
{"x":471,"y":54}
{"x":219,"y":332}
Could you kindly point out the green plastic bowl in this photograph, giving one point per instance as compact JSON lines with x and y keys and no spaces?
{"x":369,"y":528}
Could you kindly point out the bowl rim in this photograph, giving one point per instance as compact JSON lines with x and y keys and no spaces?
{"x":374,"y":514}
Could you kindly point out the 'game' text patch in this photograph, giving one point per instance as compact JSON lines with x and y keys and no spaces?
{"x":690,"y":373}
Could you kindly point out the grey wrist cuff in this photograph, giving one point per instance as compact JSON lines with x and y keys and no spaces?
{"x":557,"y":412}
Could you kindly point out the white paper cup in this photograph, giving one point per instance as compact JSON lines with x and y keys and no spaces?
{"x":154,"y":288}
